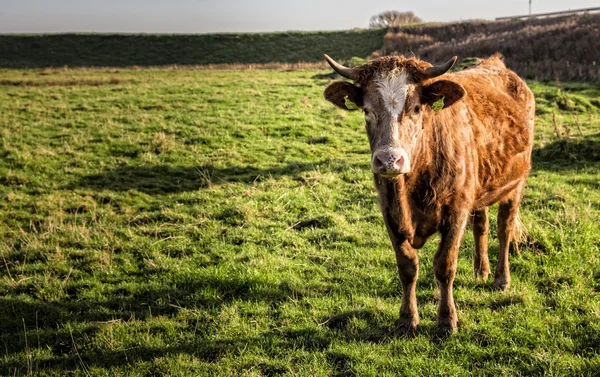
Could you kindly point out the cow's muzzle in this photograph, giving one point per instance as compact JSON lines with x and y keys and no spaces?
{"x":390,"y":162}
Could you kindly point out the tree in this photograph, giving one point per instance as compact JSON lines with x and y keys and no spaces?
{"x":393,"y":18}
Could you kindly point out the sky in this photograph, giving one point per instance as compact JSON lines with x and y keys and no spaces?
{"x":217,"y":16}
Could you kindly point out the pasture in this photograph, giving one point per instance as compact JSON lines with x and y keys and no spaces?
{"x":181,"y":222}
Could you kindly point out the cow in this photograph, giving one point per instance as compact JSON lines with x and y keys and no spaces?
{"x":444,"y":146}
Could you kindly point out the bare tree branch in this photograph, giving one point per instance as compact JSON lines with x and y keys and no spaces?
{"x":393,"y":18}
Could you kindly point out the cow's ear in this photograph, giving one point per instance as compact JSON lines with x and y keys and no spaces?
{"x":344,"y":95}
{"x":450,"y":90}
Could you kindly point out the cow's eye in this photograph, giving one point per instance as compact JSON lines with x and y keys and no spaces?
{"x":417,"y":109}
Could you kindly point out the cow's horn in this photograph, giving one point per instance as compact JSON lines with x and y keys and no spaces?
{"x":346,"y":72}
{"x":438,"y":70}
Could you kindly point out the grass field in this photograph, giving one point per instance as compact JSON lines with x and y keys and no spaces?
{"x":224,"y":223}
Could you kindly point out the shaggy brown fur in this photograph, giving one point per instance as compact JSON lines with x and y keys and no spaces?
{"x":473,"y":153}
{"x":413,"y":66}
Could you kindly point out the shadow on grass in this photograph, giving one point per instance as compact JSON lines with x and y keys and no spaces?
{"x":75,"y":328}
{"x":363,"y":325}
{"x":137,"y":299}
{"x":567,"y":154}
{"x":166,"y":179}
{"x":207,"y":350}
{"x":65,"y":357}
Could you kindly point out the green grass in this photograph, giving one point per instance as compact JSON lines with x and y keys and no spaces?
{"x":119,"y":50}
{"x":225,"y":223}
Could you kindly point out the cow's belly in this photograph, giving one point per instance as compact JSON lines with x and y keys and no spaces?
{"x":507,"y":180}
{"x":494,"y":195}
{"x":421,"y":237}
{"x":424,"y":227}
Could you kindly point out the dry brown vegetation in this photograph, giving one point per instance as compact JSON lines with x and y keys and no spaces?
{"x":174,"y":67}
{"x":561,"y":48}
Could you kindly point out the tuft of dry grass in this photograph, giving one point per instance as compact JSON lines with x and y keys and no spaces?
{"x":161,"y":143}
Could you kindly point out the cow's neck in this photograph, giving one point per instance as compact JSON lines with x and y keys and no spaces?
{"x":395,"y":206}
{"x":411,"y":201}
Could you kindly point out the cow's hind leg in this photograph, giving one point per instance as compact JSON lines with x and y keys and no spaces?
{"x":481,"y":262}
{"x":507,"y":221}
{"x":444,"y":267}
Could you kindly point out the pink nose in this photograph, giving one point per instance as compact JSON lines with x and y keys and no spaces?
{"x":390,"y":161}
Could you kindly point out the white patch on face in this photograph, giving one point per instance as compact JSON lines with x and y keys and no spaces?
{"x":393,"y":91}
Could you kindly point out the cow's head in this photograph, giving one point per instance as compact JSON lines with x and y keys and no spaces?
{"x":394,"y":93}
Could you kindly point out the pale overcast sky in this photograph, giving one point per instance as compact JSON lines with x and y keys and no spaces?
{"x":212,"y":16}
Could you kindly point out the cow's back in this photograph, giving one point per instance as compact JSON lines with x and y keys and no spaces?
{"x":500,"y":111}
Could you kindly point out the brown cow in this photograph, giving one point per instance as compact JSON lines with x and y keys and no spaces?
{"x":444,"y":146}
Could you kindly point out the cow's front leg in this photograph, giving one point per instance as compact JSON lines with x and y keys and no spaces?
{"x":444,"y":266}
{"x":396,"y":217}
{"x":408,"y":269}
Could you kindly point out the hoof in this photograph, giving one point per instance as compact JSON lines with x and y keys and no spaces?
{"x":500,"y":285}
{"x":405,"y":329}
{"x":482,"y":274}
{"x":444,"y":330}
